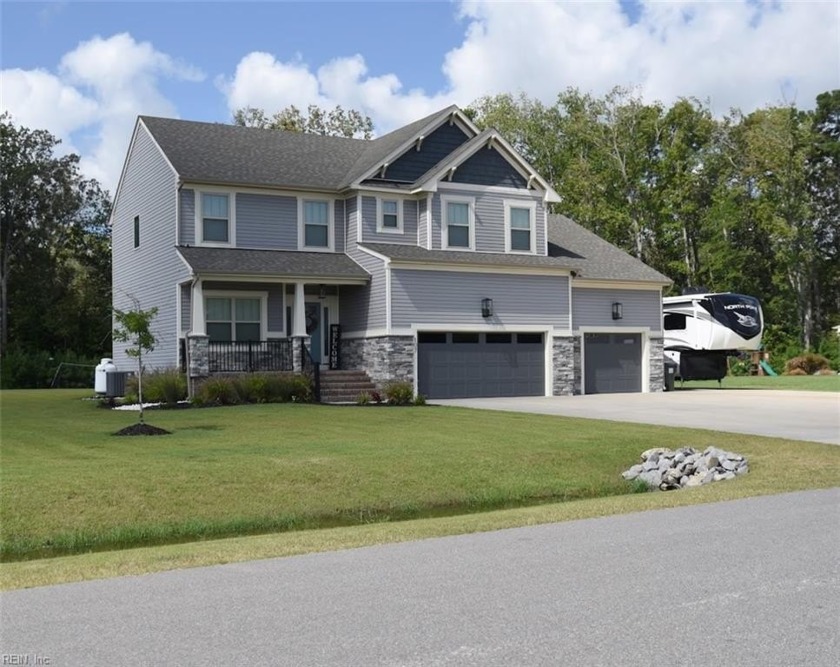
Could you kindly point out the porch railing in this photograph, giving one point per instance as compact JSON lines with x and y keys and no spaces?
{"x":250,"y":356}
{"x":309,"y":366}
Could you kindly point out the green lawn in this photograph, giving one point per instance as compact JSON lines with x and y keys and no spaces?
{"x":787,"y":382}
{"x":68,"y":486}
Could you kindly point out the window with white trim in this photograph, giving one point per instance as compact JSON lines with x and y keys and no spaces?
{"x":315,"y":215}
{"x":458,"y":224}
{"x":233,"y":319}
{"x":520,"y":228}
{"x":389,"y":217}
{"x":215,"y":217}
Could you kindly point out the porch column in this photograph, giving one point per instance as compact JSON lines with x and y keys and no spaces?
{"x":197,"y":320}
{"x":299,"y":334}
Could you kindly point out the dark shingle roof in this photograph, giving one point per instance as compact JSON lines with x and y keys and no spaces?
{"x":408,"y":253}
{"x":230,"y":154}
{"x":239,"y":261}
{"x":596,"y":258}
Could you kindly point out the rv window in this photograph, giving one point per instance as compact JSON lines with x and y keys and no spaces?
{"x":674,"y":321}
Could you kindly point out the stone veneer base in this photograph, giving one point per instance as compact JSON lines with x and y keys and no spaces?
{"x":383,"y":358}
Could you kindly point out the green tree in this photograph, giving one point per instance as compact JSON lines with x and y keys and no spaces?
{"x":53,"y":235}
{"x":135,"y":327}
{"x":336,"y":122}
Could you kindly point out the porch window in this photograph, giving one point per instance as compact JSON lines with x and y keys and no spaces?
{"x":458,"y":222}
{"x":316,"y":224}
{"x":233,"y":319}
{"x":215,"y":218}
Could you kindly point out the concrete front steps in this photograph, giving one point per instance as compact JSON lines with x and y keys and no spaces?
{"x":344,"y":386}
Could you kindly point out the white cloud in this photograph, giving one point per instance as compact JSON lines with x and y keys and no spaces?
{"x":95,"y":95}
{"x":744,"y":54}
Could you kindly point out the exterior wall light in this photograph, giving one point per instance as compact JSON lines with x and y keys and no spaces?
{"x":487,"y":307}
{"x":617,"y":311}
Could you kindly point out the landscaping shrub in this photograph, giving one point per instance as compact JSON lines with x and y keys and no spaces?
{"x":163,"y":386}
{"x":419,"y":400}
{"x":399,"y":392}
{"x":363,"y":398}
{"x":809,"y":363}
{"x":740,"y":365}
{"x":254,"y":388}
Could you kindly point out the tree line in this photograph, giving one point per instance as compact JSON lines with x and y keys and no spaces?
{"x":747,"y":203}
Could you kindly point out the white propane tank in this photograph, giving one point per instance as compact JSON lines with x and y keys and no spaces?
{"x":100,"y":380}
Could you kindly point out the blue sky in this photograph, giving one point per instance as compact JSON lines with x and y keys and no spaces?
{"x":85,"y":70}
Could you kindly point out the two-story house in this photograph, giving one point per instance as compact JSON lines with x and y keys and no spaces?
{"x":427,"y":254}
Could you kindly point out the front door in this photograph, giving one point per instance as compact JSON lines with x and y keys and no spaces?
{"x":314,"y":328}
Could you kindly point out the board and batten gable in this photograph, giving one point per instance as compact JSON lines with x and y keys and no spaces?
{"x":369,"y":222}
{"x":453,"y":297}
{"x":490,"y":217}
{"x":488,"y":167}
{"x":592,"y":307}
{"x":150,"y":273}
{"x":412,"y":164}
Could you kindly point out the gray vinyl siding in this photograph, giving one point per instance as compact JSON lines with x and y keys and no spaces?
{"x":488,"y":167}
{"x":186,"y":308}
{"x":592,"y":307}
{"x":448,"y":297}
{"x":186,"y":200}
{"x":490,"y":219}
{"x":412,"y":164}
{"x":339,"y":227}
{"x":150,"y":273}
{"x":364,"y":307}
{"x":275,"y":298}
{"x":422,"y":226}
{"x":266,"y":221}
{"x":351,"y":220}
{"x":369,"y":222}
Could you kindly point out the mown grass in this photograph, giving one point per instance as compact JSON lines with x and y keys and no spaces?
{"x":69,"y":486}
{"x":786,"y":382}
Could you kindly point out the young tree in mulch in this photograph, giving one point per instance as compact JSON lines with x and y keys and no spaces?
{"x":135,"y":327}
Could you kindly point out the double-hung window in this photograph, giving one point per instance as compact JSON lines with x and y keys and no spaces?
{"x":389,"y":218}
{"x":235,"y":319}
{"x":215,"y":218}
{"x":458,"y":223}
{"x":519,"y":227}
{"x":316,"y":223}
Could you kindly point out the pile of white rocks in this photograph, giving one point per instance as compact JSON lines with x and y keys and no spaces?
{"x":667,"y":469}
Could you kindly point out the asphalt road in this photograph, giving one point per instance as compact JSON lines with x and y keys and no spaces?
{"x":799,"y":415}
{"x":750,"y":582}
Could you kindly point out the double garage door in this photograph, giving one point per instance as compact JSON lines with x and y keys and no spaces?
{"x":471,"y":365}
{"x":612,"y":363}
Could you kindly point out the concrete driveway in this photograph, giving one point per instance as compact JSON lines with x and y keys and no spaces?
{"x":800,"y":415}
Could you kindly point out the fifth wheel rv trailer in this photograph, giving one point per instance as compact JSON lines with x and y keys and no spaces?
{"x":702,"y":329}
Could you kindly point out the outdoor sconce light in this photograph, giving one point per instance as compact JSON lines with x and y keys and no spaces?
{"x":487,"y":307}
{"x":617,"y":311}
{"x":322,"y":292}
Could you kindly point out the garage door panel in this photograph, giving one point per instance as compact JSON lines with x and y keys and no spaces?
{"x":466,"y":369}
{"x":612,"y":363}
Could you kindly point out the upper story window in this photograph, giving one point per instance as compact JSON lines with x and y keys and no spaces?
{"x":215,"y":218}
{"x":389,"y":217}
{"x":458,"y":223}
{"x":136,"y":231}
{"x":316,"y":223}
{"x":520,"y":230}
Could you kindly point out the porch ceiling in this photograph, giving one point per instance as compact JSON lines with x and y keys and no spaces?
{"x":274,"y":263}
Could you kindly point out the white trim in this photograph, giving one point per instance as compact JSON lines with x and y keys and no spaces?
{"x":571,"y":304}
{"x":531,"y":206}
{"x":244,"y":188}
{"x":373,"y":253}
{"x":645,"y":333}
{"x":240,"y":294}
{"x":388,"y":296}
{"x":490,"y":189}
{"x":475,"y":268}
{"x":358,"y":218}
{"x":199,"y":217}
{"x":606,"y":284}
{"x":380,"y":224}
{"x":459,"y":328}
{"x":330,"y":202}
{"x":445,"y":200}
{"x":309,"y":279}
{"x":429,"y":241}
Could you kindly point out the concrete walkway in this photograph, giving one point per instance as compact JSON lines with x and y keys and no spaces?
{"x":799,"y":415}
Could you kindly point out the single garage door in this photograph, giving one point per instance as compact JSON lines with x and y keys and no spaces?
{"x":471,"y":365}
{"x":612,"y":363}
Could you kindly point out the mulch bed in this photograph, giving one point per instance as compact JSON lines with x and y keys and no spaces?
{"x":142,"y":429}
